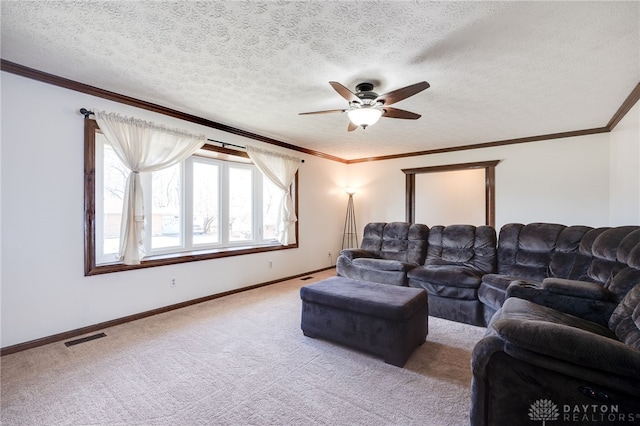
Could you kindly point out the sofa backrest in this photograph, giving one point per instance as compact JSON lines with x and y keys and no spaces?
{"x":468,"y":245}
{"x":625,"y":320}
{"x":615,"y":262}
{"x":401,"y":241}
{"x":567,"y":261}
{"x":600,"y":255}
{"x":372,"y":237}
{"x":526,"y":250}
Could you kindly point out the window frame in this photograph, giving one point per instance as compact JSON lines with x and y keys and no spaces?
{"x":90,"y":266}
{"x":490,"y":186}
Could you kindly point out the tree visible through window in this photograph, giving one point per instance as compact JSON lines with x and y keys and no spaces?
{"x":240,"y":204}
{"x":206,"y":203}
{"x":165,"y":227}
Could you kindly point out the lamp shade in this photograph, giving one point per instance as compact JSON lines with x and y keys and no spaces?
{"x":364,"y":116}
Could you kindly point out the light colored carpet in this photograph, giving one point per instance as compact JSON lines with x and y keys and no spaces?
{"x":238,"y":360}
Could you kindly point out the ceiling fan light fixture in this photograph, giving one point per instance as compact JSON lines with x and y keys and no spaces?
{"x":364,"y":116}
{"x":366,"y":106}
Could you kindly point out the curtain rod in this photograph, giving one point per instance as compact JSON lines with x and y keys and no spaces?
{"x":87,"y":113}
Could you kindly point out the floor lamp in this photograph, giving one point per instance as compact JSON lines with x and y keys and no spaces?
{"x":350,"y":235}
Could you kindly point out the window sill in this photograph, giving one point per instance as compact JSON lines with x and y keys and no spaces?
{"x":175,"y":258}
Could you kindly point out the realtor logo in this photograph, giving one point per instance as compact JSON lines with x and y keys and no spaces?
{"x":543,"y":410}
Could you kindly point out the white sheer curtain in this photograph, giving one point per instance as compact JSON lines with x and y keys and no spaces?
{"x":281,"y":170}
{"x":142,"y":147}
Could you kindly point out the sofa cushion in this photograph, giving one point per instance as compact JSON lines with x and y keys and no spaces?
{"x":394,"y":240}
{"x":445,"y":292}
{"x":586,"y":244}
{"x":625,"y":320}
{"x":525,"y":250}
{"x":453,"y":244}
{"x":464,"y":245}
{"x":396,"y":231}
{"x":515,"y":308}
{"x":606,"y":264}
{"x":417,"y":243}
{"x":382,"y":264}
{"x":372,"y":237}
{"x":627,"y":247}
{"x":567,"y":261}
{"x":447,"y":274}
{"x":403,"y":241}
{"x":633,"y":259}
{"x":485,"y":249}
{"x":607,"y":243}
{"x":623,"y":282}
{"x":498,"y":281}
{"x":493,"y":290}
{"x":392,"y":247}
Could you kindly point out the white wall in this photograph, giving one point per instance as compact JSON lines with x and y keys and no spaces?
{"x":561,"y":180}
{"x":44,"y":290}
{"x":625,"y":170}
{"x":446,"y":198}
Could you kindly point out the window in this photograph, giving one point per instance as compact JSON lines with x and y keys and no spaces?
{"x":214,"y":204}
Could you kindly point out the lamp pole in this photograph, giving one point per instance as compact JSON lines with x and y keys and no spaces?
{"x":350,"y":235}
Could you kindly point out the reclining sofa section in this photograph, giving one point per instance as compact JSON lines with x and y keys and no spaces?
{"x":457,"y":258}
{"x":583,"y":269}
{"x":388,"y":251}
{"x":535,"y":356}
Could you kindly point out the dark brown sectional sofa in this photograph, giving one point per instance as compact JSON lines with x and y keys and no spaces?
{"x":468,"y":271}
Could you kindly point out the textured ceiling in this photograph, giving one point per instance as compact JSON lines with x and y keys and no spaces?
{"x":498,"y":70}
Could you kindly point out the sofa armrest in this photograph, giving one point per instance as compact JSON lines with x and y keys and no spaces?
{"x":383,"y":264}
{"x":355,"y":253}
{"x":583,"y":299}
{"x":579,"y":289}
{"x":571,"y":345}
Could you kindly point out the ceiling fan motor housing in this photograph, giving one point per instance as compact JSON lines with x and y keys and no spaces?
{"x":364,"y":92}
{"x":364,"y":87}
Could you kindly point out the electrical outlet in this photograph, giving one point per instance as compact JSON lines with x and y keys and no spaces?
{"x":271,"y":264}
{"x":329,"y":253}
{"x":172,"y":283}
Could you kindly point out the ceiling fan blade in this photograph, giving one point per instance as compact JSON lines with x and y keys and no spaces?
{"x":351,"y":127}
{"x":329,"y":111}
{"x":400,"y":94}
{"x":399,"y":113}
{"x":344,"y":92}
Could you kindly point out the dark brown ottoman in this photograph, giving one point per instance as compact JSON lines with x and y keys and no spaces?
{"x":387,"y":320}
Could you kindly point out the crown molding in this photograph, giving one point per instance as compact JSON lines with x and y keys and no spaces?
{"x":34,"y":74}
{"x":626,"y":106}
{"x":55,"y":80}
{"x":487,"y":144}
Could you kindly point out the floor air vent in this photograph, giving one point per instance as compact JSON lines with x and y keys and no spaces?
{"x":84,"y":339}
{"x":305,"y":278}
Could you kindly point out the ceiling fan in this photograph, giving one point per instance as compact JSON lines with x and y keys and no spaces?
{"x":366,"y":106}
